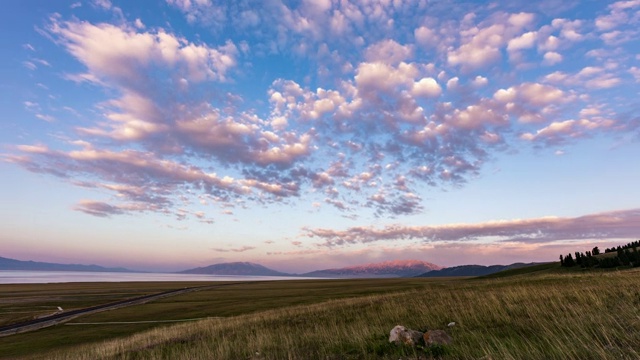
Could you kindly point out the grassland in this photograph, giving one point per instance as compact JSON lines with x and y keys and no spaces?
{"x":546,"y":314}
{"x":231,"y":300}
{"x":20,"y":302}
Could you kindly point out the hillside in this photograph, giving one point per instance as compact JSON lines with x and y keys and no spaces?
{"x":401,"y":268}
{"x":537,"y":269}
{"x":13,"y":264}
{"x":235,"y":268}
{"x":472,"y":270}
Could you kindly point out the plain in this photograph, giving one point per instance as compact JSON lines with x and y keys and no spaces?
{"x":546,"y":313}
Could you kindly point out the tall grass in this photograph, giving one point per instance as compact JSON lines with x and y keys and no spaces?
{"x":550,"y":316}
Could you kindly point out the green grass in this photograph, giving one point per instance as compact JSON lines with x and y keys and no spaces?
{"x":231,"y":300}
{"x":545,"y":314}
{"x":21,"y":302}
{"x":552,"y":315}
{"x":527,"y":270}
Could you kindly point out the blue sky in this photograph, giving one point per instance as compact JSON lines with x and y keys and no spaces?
{"x":312,"y":134}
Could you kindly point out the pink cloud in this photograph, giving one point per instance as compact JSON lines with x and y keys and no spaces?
{"x":446,"y":255}
{"x":142,"y":179}
{"x":425,"y":36}
{"x":608,"y":225}
{"x":552,"y":58}
{"x":236,"y":250}
{"x":524,"y":41}
{"x":618,"y":15}
{"x":130,"y":51}
{"x":481,"y":45}
{"x":559,"y":132}
{"x":98,"y":208}
{"x":427,"y":87}
{"x":388,"y":52}
{"x":397,"y":103}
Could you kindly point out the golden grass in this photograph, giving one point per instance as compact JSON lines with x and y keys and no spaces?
{"x":592,"y":315}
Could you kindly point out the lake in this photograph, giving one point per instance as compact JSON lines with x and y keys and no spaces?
{"x":41,"y":277}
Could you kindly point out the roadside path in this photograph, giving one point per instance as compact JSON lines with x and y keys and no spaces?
{"x":65,"y":316}
{"x":143,"y":321}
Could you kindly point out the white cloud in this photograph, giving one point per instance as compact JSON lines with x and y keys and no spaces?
{"x":428,"y":99}
{"x":569,"y":29}
{"x":371,"y":77}
{"x":635,"y":71}
{"x":551,"y":58}
{"x":481,"y":45}
{"x":480,"y":81}
{"x":139,"y":24}
{"x":426,"y":87}
{"x":388,"y":52}
{"x":618,"y":15}
{"x":522,"y":19}
{"x":129,"y":52}
{"x":425,"y":36}
{"x":525,"y":41}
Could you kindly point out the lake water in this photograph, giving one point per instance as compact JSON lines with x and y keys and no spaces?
{"x":41,"y":277}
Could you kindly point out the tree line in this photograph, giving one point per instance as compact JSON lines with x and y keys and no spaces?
{"x":627,"y":255}
{"x":630,"y":245}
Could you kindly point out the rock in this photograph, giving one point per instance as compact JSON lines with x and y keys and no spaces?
{"x":400,"y":335}
{"x":451,"y":324}
{"x":437,"y":337}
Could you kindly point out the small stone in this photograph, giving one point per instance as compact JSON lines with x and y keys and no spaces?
{"x":400,"y":335}
{"x":437,"y":337}
{"x":451,"y":324}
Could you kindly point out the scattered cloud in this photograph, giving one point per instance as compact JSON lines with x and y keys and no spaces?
{"x":552,"y":58}
{"x":45,"y":117}
{"x":425,"y":103}
{"x":607,"y":225}
{"x":236,"y":250}
{"x":97,"y":208}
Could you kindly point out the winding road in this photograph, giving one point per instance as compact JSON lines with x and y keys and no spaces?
{"x":62,"y":317}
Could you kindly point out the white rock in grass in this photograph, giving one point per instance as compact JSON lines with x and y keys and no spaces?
{"x":401,"y":335}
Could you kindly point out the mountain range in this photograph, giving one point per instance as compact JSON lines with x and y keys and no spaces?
{"x":12,"y":264}
{"x":235,"y":268}
{"x":473,"y":270}
{"x":399,"y":268}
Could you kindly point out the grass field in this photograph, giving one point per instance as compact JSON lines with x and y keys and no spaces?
{"x":545,"y":314}
{"x":231,"y":300}
{"x":20,"y":302}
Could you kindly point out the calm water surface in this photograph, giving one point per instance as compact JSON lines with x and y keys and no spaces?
{"x":41,"y":277}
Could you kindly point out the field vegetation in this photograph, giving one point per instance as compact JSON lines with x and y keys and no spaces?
{"x":21,"y":302}
{"x":24,"y":301}
{"x":547,"y":313}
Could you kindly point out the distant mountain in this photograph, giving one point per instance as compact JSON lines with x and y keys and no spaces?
{"x":400,"y":268}
{"x":12,"y":264}
{"x":472,"y":270}
{"x":235,"y":268}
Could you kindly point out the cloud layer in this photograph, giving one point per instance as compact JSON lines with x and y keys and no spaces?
{"x":395,"y":98}
{"x":609,"y":225}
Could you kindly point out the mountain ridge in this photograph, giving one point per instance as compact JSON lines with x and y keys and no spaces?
{"x":29,"y":265}
{"x":473,"y":270}
{"x":394,"y":268}
{"x":235,"y":268}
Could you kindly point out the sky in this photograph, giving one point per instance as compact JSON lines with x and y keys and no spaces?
{"x":303,"y":135}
